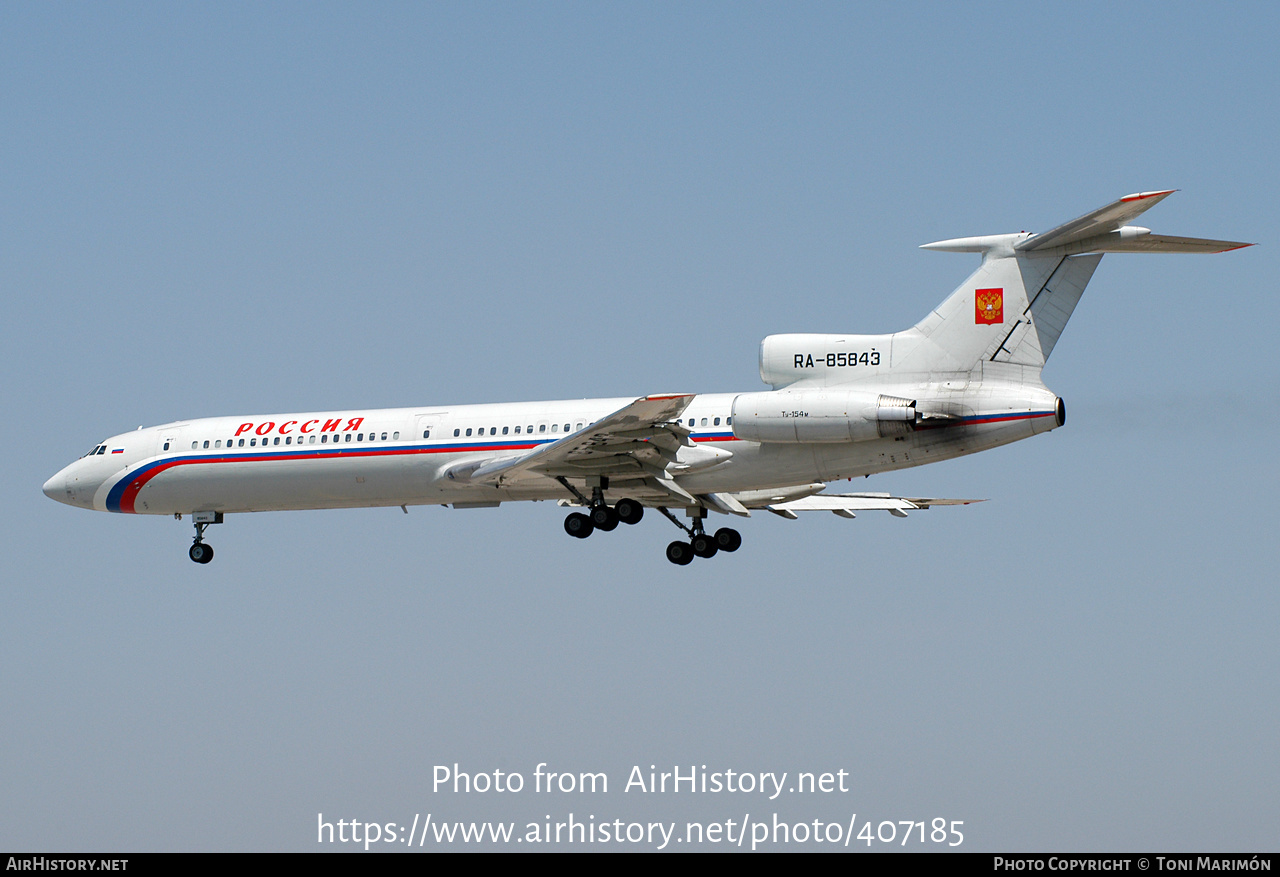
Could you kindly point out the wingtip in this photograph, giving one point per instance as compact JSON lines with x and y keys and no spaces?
{"x":1142,"y":196}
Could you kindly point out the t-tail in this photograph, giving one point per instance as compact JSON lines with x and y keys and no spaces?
{"x":1011,"y":310}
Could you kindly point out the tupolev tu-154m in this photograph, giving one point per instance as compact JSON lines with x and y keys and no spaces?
{"x":964,"y":379}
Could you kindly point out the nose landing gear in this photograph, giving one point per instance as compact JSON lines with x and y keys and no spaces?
{"x":199,"y":551}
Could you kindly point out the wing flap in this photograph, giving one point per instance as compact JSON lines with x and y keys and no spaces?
{"x":727,"y":504}
{"x":847,"y":504}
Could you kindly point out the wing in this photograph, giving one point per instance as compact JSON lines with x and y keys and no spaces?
{"x":640,"y":439}
{"x":846,"y":505}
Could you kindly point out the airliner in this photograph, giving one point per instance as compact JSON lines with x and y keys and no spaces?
{"x":964,"y":379}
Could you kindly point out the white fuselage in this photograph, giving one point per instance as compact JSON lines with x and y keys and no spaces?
{"x":409,"y":456}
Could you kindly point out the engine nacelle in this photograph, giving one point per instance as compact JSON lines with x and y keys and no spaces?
{"x":806,"y":416}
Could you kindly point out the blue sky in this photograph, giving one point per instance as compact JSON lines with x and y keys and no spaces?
{"x":248,"y":209}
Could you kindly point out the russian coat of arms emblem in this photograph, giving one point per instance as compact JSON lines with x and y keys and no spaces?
{"x":988,"y":306}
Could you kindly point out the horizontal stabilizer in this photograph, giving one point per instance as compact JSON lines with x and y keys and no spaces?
{"x":1142,"y":241}
{"x":1107,"y":230}
{"x":1097,"y":222}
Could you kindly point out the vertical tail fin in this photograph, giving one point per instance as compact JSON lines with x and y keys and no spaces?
{"x":1012,"y":309}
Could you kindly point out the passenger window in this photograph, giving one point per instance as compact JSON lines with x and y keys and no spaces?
{"x":468,"y":430}
{"x":324,"y":439}
{"x":395,"y":436}
{"x":277,"y":441}
{"x":288,"y":440}
{"x":218,"y":443}
{"x":728,"y":421}
{"x":426,"y":434}
{"x":504,"y":430}
{"x":359,"y":436}
{"x":253,"y":442}
{"x":166,"y":446}
{"x":455,"y":433}
{"x":312,"y":440}
{"x":555,"y":427}
{"x":194,"y":445}
{"x":517,"y":430}
{"x":578,"y":427}
{"x":717,"y":422}
{"x":493,"y":430}
{"x":242,"y":443}
{"x":348,"y":438}
{"x":704,"y":421}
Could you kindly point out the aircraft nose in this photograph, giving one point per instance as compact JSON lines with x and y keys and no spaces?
{"x":55,"y":487}
{"x":63,"y":488}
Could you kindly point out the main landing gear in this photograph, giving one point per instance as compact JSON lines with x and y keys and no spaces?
{"x":600,"y":516}
{"x":627,"y":511}
{"x":199,"y":551}
{"x":700,"y":544}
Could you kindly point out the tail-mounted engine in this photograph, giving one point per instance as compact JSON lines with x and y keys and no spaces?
{"x":821,"y":416}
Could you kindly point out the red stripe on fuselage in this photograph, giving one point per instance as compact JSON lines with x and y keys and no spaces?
{"x":141,"y":478}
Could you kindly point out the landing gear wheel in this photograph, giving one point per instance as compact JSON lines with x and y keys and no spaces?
{"x":604,"y":518}
{"x":200,"y":552}
{"x":728,"y":539}
{"x":578,"y":525}
{"x":680,"y":553}
{"x":704,"y":545}
{"x":629,"y":511}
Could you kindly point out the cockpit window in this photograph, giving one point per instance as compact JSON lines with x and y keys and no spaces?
{"x":102,"y":449}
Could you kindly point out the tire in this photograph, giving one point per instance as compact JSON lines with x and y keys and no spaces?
{"x":704,"y":545}
{"x":728,"y":539}
{"x":200,"y":552}
{"x":578,"y":525}
{"x":604,"y":518}
{"x":629,"y":511}
{"x":680,"y":553}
